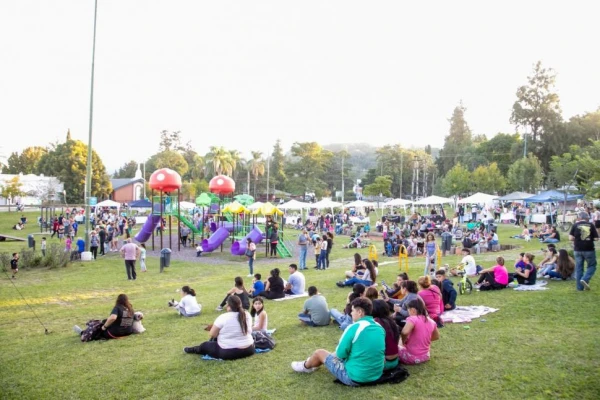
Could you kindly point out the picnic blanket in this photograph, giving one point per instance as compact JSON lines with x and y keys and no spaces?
{"x":464,"y":314}
{"x":540,"y":285}
{"x":256,"y":351}
{"x":292,"y":296}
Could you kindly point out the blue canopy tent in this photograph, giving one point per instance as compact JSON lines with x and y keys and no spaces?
{"x":551,"y":196}
{"x":140,"y":204}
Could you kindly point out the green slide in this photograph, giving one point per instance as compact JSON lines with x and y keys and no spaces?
{"x":283,"y":251}
{"x":189,"y":224}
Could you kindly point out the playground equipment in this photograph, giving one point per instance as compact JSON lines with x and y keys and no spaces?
{"x":238,"y":248}
{"x":284,"y":249}
{"x":403,"y":258}
{"x":372,"y":253}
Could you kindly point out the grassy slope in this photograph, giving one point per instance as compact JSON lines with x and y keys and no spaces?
{"x":539,"y":345}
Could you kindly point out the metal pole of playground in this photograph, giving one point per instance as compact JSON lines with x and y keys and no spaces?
{"x":178,"y":223}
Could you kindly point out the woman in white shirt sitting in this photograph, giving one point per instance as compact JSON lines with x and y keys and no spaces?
{"x":188,"y":306}
{"x":231,"y":334}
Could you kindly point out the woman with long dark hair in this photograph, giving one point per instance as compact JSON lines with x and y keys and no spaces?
{"x":118,"y":324}
{"x":231,"y":334}
{"x":368,"y":277}
{"x":417,"y":334}
{"x":274,"y":288}
{"x":238,"y":290}
{"x":565,"y":265}
{"x":188,"y":306}
{"x":381,"y":315}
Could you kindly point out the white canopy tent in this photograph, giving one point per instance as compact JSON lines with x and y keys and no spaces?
{"x":397,"y":203}
{"x":325,"y":203}
{"x":478,"y":198}
{"x":431,"y":200}
{"x":359,"y":204}
{"x":255,"y":206}
{"x":109,"y":203}
{"x":186,"y":205}
{"x":294,"y":205}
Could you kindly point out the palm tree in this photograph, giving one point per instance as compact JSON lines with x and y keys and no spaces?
{"x":237,"y":161}
{"x":220,"y":159}
{"x":256,"y":166}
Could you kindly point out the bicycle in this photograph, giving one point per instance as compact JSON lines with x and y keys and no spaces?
{"x":464,"y":284}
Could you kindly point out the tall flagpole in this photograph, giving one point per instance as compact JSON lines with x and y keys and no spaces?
{"x":88,"y":175}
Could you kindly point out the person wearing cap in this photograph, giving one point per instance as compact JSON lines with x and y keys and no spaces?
{"x":583,"y":234}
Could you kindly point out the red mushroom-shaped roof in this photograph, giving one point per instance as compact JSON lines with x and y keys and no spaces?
{"x":165,"y":179}
{"x":221,"y":184}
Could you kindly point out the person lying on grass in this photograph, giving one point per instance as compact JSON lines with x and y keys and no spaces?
{"x":493,"y":278}
{"x":360,"y":354}
{"x":417,"y":335}
{"x":230,"y":334}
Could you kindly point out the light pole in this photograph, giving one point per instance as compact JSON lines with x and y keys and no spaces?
{"x":88,"y":175}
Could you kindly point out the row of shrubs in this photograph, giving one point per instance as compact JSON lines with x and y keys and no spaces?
{"x":55,"y":257}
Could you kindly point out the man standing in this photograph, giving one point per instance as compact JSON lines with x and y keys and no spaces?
{"x":303,"y":245}
{"x":296,"y":281}
{"x":316,"y":310}
{"x":360,"y":355}
{"x":583,"y":234}
{"x":130,"y":252}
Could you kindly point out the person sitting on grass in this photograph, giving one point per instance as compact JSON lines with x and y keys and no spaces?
{"x":239,"y":291}
{"x":360,"y":354}
{"x":525,"y":273}
{"x":230,"y":334}
{"x":409,"y":290}
{"x":448,"y":292}
{"x":368,"y":278}
{"x":296,"y":281}
{"x":565,"y":265}
{"x":259,"y":315}
{"x":494,"y":278}
{"x":188,"y":305}
{"x":381,"y":315}
{"x":394,"y":291}
{"x":432,"y":297}
{"x":548,"y":263}
{"x":358,"y":268}
{"x":345,"y":319}
{"x":417,"y":335}
{"x":316,"y":310}
{"x":274,"y":287}
{"x":257,"y":285}
{"x":118,"y":324}
{"x":552,"y":237}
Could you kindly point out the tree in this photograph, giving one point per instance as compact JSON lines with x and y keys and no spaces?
{"x":277,"y":172}
{"x":195,"y":163}
{"x":457,"y":181}
{"x":219,"y":160}
{"x":26,"y":162}
{"x":488,"y":179}
{"x":67,"y":161}
{"x":256,"y":166}
{"x":167,"y":159}
{"x":128,"y":170}
{"x":502,"y":149}
{"x":12,"y":188}
{"x":381,"y":186}
{"x":170,"y":141}
{"x":237,"y":162}
{"x":459,"y":139}
{"x":525,"y":175}
{"x":589,"y":169}
{"x":306,"y":173}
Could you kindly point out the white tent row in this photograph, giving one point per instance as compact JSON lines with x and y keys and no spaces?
{"x":359,"y":204}
{"x":478,"y":198}
{"x":431,"y":200}
{"x":397,"y":203}
{"x":294,"y":205}
{"x":325,"y":203}
{"x":109,"y":203}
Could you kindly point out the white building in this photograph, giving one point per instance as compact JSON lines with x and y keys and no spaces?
{"x":36,"y":189}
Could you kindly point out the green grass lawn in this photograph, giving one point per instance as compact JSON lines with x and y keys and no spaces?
{"x":539,"y":345}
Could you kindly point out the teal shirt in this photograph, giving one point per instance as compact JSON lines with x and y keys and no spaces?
{"x":362,"y":346}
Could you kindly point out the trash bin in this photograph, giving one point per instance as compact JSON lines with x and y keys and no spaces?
{"x":165,"y":258}
{"x":31,"y":242}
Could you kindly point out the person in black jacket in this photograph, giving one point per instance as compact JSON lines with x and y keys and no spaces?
{"x":102,"y":237}
{"x":448,"y":291}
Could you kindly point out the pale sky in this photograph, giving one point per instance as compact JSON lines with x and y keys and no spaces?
{"x":241,"y":74}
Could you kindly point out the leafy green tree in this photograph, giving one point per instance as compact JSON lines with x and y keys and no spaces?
{"x":278,"y":177}
{"x":459,"y":139}
{"x":128,"y":170}
{"x":488,"y":179}
{"x":502,"y":149}
{"x":581,"y":129}
{"x":333,"y":174}
{"x":67,"y":161}
{"x":382,"y":185}
{"x":457,"y":181}
{"x":307,"y":171}
{"x":256,"y":166}
{"x":167,"y":159}
{"x":195,"y":163}
{"x":237,"y":163}
{"x":525,"y":175}
{"x":170,"y":141}
{"x":12,"y":188}
{"x":26,"y":162}
{"x":218,"y":161}
{"x":589,"y":168}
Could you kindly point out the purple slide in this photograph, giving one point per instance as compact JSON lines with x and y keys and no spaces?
{"x":146,"y":231}
{"x":238,"y":248}
{"x":228,"y":225}
{"x":215,"y":240}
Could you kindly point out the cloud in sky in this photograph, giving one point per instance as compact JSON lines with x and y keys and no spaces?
{"x":242,"y":74}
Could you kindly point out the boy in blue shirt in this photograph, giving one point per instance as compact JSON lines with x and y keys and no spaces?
{"x":257,"y":285}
